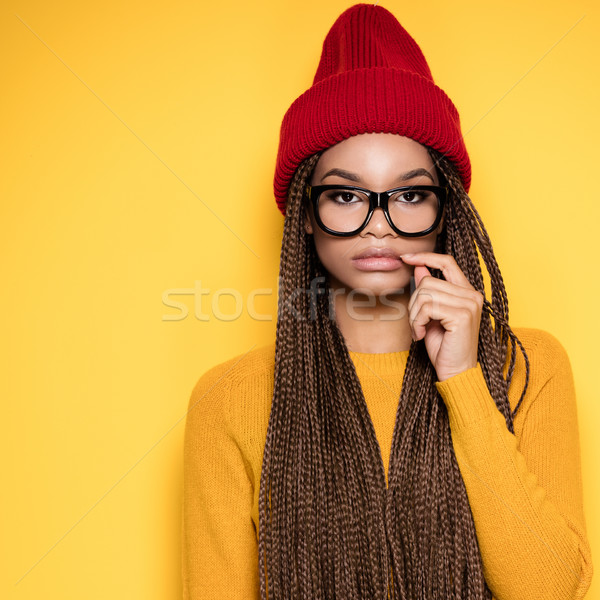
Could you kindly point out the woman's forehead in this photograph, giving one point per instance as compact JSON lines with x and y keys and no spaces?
{"x":375,"y":155}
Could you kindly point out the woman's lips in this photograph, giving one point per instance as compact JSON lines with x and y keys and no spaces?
{"x":377,"y":263}
{"x":377,"y":259}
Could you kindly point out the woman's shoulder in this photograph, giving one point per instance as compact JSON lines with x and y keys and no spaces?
{"x":544,"y":350}
{"x":231,"y":390}
{"x":244,"y":367}
{"x":547,"y":358}
{"x":232,"y":400}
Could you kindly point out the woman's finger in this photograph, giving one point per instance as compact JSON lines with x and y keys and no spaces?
{"x":432,"y":285}
{"x":420,"y":273}
{"x":443,"y":262}
{"x":445,"y":298}
{"x":452,"y":316}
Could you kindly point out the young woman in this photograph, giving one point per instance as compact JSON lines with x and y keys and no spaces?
{"x":398,"y":439}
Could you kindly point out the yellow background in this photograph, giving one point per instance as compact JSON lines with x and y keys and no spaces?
{"x":137,"y":155}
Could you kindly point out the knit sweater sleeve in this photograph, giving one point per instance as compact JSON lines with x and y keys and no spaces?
{"x":219,"y":549}
{"x":525,"y":489}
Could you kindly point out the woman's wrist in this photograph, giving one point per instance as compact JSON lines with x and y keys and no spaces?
{"x":466,"y":397}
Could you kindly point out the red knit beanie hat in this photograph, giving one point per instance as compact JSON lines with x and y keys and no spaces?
{"x":372,"y":78}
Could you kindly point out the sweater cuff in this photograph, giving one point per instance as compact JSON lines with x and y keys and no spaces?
{"x":467,"y":397}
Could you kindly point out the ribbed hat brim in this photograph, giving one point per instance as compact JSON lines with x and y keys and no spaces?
{"x":376,"y":100}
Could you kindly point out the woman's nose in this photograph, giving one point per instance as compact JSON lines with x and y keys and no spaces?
{"x":378,"y":224}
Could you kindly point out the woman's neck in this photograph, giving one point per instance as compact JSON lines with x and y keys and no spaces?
{"x":373,"y":324}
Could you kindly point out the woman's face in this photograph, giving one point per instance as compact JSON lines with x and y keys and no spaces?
{"x":378,"y":162}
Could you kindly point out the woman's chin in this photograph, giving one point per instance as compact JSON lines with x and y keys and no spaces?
{"x":376,"y":284}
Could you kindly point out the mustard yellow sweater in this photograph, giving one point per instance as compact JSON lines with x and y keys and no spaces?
{"x":525,"y":490}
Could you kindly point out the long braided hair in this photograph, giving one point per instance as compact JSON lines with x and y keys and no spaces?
{"x":328,"y":525}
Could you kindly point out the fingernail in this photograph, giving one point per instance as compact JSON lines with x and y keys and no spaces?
{"x":406,"y":255}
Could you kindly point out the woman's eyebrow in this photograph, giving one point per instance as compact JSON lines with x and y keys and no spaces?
{"x":356,"y":178}
{"x":343,"y":174}
{"x":415,"y":173}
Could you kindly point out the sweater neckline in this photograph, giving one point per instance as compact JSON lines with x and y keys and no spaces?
{"x":369,"y":364}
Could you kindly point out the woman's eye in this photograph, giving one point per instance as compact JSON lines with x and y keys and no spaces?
{"x":410,"y":197}
{"x":415,"y":197}
{"x":345,"y":197}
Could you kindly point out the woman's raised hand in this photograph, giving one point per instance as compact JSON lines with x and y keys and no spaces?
{"x":446,"y":313}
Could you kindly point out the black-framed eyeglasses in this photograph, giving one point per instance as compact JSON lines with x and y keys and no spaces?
{"x":345,"y":210}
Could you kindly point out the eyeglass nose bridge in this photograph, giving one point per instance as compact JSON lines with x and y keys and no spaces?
{"x":378,"y":200}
